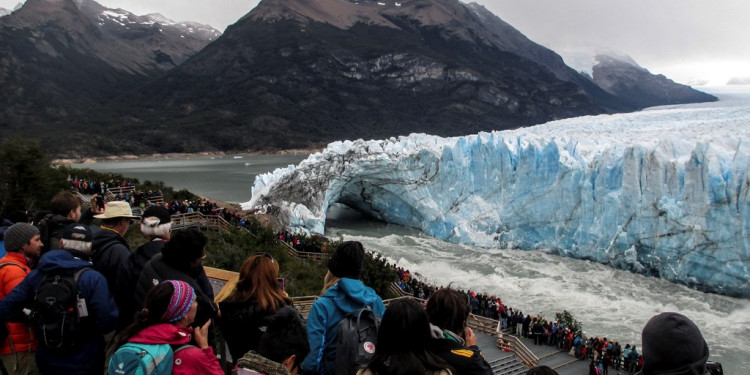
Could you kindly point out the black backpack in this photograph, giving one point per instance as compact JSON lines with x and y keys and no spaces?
{"x":355,"y":341}
{"x":57,"y":311}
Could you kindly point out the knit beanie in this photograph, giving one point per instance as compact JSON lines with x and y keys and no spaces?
{"x":673,"y":344}
{"x":18,"y":235}
{"x":179,"y":304}
{"x":347,"y":260}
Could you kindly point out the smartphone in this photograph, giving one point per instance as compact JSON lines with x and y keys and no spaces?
{"x":100,"y":202}
{"x":280,"y":283}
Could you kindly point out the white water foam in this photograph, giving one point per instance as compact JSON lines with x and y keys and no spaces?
{"x":610,"y":303}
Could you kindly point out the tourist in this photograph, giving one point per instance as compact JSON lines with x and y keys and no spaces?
{"x":342,"y":293}
{"x":448,"y":311}
{"x":541,"y":370}
{"x":169,"y":311}
{"x":110,"y":250}
{"x":180,"y":259}
{"x":66,"y":209}
{"x":403,"y":343}
{"x":156,"y":225}
{"x":23,"y":246}
{"x":85,"y":346}
{"x":247,"y":310}
{"x":281,"y":348}
{"x":633,"y":357}
{"x":673,"y":344}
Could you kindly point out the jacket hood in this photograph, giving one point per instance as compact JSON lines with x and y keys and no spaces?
{"x":163,"y":333}
{"x":61,"y":259}
{"x":440,"y":334}
{"x":351,"y":294}
{"x":102,"y":236}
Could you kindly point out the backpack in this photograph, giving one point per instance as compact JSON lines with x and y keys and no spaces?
{"x":134,"y":358}
{"x":57,"y":310}
{"x":355,"y":341}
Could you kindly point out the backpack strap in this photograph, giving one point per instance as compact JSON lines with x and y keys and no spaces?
{"x":14,"y":264}
{"x":183,"y":347}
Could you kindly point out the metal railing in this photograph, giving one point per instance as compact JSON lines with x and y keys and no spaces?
{"x":512,"y":343}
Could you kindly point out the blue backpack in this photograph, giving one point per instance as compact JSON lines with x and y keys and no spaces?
{"x":143,"y":359}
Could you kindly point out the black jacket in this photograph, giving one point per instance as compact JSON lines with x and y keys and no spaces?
{"x":450,"y":347}
{"x":157,"y":270}
{"x":127,"y":279}
{"x":108,"y":251}
{"x":242,"y":324}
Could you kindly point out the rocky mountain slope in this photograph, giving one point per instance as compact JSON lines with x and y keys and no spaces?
{"x":61,"y":60}
{"x":623,"y":77}
{"x":295,"y":73}
{"x":289,"y":74}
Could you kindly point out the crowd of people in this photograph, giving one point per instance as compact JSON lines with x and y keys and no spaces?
{"x":87,"y":302}
{"x":603,"y":354}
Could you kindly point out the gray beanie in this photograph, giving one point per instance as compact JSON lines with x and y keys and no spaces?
{"x":19,"y":234}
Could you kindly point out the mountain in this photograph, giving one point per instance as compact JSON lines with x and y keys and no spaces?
{"x":61,"y":60}
{"x":624,"y":78}
{"x":290,"y":74}
{"x":297,"y":73}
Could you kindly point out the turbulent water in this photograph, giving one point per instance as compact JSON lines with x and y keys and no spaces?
{"x":611,"y":303}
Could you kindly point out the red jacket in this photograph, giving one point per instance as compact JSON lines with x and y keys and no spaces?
{"x":21,"y":334}
{"x":188,"y":361}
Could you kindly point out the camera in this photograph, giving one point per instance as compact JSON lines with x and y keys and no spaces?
{"x":714,"y":368}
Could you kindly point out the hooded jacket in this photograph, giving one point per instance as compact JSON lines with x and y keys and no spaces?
{"x":21,"y":334}
{"x":188,"y":360}
{"x":102,"y":314}
{"x":158,"y":270}
{"x":322,"y":322}
{"x":127,"y":279}
{"x":108,"y":251}
{"x":451,"y":347}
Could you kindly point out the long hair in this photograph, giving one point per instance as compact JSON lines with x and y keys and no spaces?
{"x":449,"y":309}
{"x":257,"y":281}
{"x":329,"y":281}
{"x":403,"y":339}
{"x":154,"y":307}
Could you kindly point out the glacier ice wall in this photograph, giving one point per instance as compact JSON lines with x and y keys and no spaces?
{"x":661,"y":192}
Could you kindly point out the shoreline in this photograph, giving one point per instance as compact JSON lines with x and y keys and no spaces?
{"x":179,"y":155}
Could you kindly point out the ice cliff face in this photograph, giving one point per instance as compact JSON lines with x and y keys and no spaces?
{"x":661,"y":192}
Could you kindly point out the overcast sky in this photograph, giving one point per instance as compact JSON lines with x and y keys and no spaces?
{"x":686,"y":40}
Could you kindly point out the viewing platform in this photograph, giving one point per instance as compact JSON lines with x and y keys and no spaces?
{"x":507,"y":354}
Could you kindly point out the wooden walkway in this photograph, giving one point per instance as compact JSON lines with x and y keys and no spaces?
{"x":506,"y":353}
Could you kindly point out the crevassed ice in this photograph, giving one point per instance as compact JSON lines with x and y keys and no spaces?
{"x":663,"y":191}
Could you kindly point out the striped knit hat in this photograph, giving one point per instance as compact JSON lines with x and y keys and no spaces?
{"x":179,"y":304}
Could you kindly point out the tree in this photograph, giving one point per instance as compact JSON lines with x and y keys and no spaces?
{"x":27,"y":181}
{"x":569,"y":321}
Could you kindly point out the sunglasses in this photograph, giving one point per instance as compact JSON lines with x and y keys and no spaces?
{"x":266,"y":255}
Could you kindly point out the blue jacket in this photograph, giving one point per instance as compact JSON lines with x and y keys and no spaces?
{"x":102,"y":314}
{"x":322,"y":322}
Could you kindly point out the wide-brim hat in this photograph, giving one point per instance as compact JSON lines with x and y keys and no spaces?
{"x":116,"y":209}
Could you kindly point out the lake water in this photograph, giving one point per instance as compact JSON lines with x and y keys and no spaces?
{"x":226,"y":178}
{"x":609,"y":302}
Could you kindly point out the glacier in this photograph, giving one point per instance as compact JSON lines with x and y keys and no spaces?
{"x":662,"y":192}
